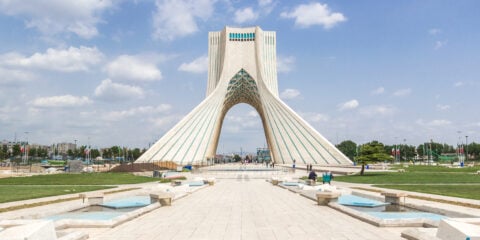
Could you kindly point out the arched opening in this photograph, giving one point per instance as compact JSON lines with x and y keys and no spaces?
{"x":242,"y":132}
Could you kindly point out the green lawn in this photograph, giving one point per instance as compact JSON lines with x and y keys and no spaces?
{"x":17,"y":193}
{"x":431,"y":168}
{"x":77,"y":179}
{"x":463,"y":191}
{"x":415,"y":177}
{"x":455,"y":182}
{"x":21,"y":188}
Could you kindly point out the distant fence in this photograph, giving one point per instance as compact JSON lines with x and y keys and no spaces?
{"x":144,"y":167}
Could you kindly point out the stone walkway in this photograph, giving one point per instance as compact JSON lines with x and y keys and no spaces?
{"x":245,"y":208}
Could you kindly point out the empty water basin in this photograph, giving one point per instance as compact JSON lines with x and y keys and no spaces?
{"x":128,"y":202}
{"x":196,"y":183}
{"x":385,"y":211}
{"x":352,"y":200}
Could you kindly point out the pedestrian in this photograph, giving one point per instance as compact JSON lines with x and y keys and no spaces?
{"x":312,"y":177}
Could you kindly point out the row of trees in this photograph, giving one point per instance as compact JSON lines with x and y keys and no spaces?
{"x":378,"y":152}
{"x":40,"y":152}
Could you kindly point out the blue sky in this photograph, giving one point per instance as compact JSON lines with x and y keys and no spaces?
{"x":124,"y":72}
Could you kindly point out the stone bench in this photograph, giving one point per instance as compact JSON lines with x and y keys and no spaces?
{"x":478,"y":172}
{"x":310,"y":182}
{"x":164,"y":198}
{"x":275,"y":181}
{"x":92,"y":198}
{"x":401,"y":170}
{"x":211,"y":181}
{"x":394,"y":197}
{"x":323,"y":198}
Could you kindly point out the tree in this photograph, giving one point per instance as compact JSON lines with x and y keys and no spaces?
{"x":372,"y":152}
{"x":16,"y":150}
{"x":349,"y":148}
{"x":237,"y":158}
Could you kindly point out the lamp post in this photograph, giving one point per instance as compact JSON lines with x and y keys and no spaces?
{"x":405,"y":148}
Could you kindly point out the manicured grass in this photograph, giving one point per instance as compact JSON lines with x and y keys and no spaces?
{"x":440,"y":180}
{"x":17,"y":193}
{"x":431,"y":168}
{"x":77,"y":179}
{"x":463,"y":191}
{"x":411,"y":178}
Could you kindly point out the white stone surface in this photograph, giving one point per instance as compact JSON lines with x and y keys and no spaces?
{"x":38,"y":230}
{"x":453,"y":229}
{"x":246,"y":209}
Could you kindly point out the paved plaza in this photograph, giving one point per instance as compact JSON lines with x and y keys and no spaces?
{"x":243,"y":205}
{"x":245,"y":208}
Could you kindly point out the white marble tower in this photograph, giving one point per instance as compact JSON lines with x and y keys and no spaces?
{"x":242,"y":69}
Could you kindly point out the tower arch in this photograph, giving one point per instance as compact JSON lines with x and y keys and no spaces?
{"x":242,"y":69}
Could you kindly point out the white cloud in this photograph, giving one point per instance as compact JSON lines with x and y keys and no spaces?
{"x":245,"y":15}
{"x":110,"y":91}
{"x":352,"y":104}
{"x":56,"y":16}
{"x":434,"y":31}
{"x":289,"y":94}
{"x":177,"y":18}
{"x":126,"y":67}
{"x":377,"y":110}
{"x":164,"y":122}
{"x":313,"y":117}
{"x":236,"y":124}
{"x":263,"y":3}
{"x":14,"y":76}
{"x":199,"y":65}
{"x":132,"y":112}
{"x":434,"y":123}
{"x":61,"y":101}
{"x":441,"y":107}
{"x":285,"y":64}
{"x":378,"y":91}
{"x":266,"y":6}
{"x":458,"y":84}
{"x":440,"y":44}
{"x":402,"y":92}
{"x":63,"y":60}
{"x":307,"y":15}
{"x":252,"y":113}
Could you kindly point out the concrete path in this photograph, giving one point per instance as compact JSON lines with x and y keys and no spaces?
{"x":245,"y":208}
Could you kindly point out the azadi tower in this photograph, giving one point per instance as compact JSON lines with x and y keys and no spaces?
{"x":242,"y":69}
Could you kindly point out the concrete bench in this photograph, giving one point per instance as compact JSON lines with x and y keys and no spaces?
{"x":176,"y":183}
{"x":478,"y":172}
{"x":92,"y":198}
{"x":210,"y":181}
{"x":310,"y":182}
{"x":323,"y":198}
{"x":164,"y":198}
{"x":401,"y":170}
{"x":275,"y":181}
{"x":394,"y":197}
